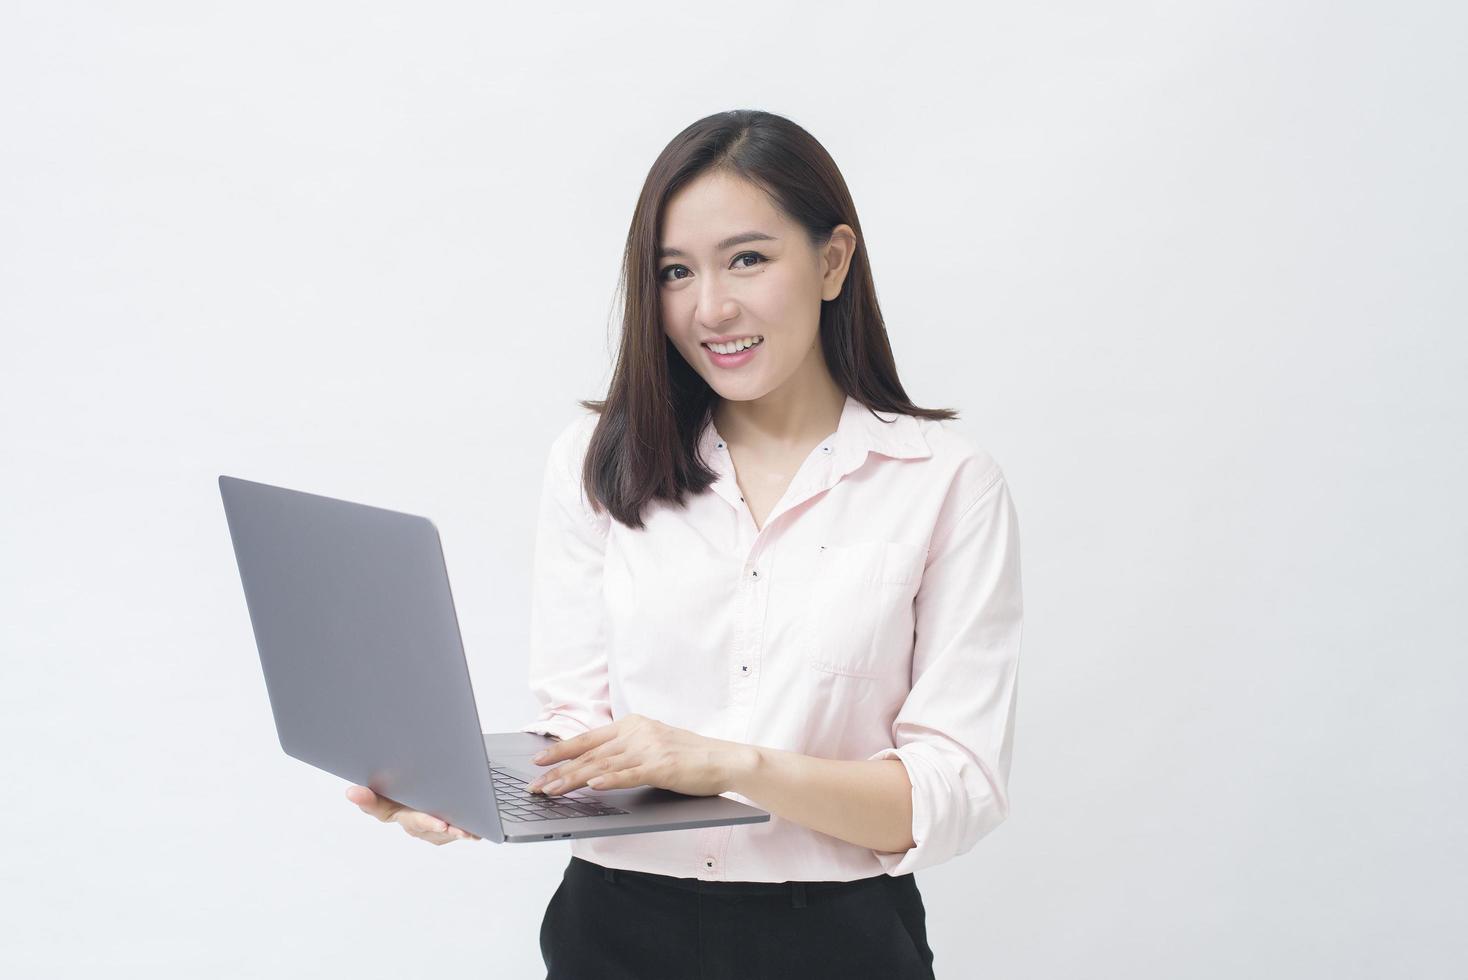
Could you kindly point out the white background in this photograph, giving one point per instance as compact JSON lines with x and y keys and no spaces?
{"x":1193,"y":273}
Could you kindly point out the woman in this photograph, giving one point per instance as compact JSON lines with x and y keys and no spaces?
{"x":748,"y":582}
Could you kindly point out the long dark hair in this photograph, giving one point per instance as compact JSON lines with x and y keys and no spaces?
{"x":645,"y":444}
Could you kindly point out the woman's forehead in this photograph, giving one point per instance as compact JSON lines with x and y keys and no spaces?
{"x":715,"y":207}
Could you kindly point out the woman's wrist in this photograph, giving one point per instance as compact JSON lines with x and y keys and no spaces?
{"x":741,"y":762}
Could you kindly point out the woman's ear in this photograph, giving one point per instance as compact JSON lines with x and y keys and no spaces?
{"x":836,"y":260}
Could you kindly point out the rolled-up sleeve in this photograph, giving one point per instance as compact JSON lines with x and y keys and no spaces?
{"x":955,"y":731}
{"x":568,"y":659}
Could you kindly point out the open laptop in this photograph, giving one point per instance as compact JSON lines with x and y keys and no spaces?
{"x":367,"y":678}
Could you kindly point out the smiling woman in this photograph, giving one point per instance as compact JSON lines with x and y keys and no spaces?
{"x":762,"y":572}
{"x":773,"y":296}
{"x":744,"y":231}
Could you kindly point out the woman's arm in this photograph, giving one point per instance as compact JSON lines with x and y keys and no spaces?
{"x":864,"y":803}
{"x":568,"y":662}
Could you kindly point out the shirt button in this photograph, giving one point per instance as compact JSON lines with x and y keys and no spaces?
{"x":721,"y":445}
{"x":755,"y":573}
{"x":745,"y":669}
{"x":825,"y":449}
{"x":708,"y":862}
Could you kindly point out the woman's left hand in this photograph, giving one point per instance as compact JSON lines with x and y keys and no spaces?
{"x":638,"y":751}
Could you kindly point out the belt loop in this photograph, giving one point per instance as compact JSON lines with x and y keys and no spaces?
{"x":610,"y":874}
{"x":797,"y":894}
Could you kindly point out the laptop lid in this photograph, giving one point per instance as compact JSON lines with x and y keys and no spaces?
{"x":360,"y":646}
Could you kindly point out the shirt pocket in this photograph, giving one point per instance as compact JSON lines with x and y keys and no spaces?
{"x":859,"y":617}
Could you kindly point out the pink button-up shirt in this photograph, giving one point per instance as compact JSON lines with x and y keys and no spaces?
{"x":876,"y":615}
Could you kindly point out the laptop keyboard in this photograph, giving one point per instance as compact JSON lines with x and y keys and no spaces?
{"x":519,"y":804}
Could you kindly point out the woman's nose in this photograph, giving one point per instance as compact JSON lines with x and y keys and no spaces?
{"x":715,"y":307}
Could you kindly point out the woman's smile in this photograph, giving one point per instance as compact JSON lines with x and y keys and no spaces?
{"x":733,"y":360}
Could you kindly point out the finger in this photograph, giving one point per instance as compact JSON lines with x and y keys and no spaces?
{"x":430,"y":827}
{"x":437,"y":839}
{"x":578,"y":773}
{"x":612,"y":750}
{"x":456,"y":833}
{"x":552,"y":754}
{"x":570,"y":748}
{"x":448,"y":835}
{"x":378,"y":806}
{"x":539,"y":783}
{"x":421,"y":824}
{"x":546,"y":777}
{"x":561,"y":774}
{"x":619,"y":779}
{"x":362,"y":796}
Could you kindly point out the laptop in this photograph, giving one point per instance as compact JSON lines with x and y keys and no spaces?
{"x":365,"y":670}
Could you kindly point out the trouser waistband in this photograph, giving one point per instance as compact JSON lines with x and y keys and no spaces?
{"x":799,"y":891}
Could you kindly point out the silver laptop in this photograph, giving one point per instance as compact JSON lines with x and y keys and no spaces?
{"x":367,"y":679}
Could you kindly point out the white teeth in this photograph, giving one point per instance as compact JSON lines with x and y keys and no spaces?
{"x":735,"y":346}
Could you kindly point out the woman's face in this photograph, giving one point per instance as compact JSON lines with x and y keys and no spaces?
{"x":731,"y":266}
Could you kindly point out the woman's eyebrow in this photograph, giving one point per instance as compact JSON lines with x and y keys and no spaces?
{"x":666,"y":251}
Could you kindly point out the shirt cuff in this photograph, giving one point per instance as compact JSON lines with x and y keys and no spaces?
{"x":897,"y":863}
{"x":561,"y":726}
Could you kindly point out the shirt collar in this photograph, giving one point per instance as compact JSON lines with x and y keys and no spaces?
{"x":899,"y":438}
{"x":858,"y":432}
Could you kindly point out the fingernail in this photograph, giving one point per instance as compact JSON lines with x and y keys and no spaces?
{"x":554,"y":785}
{"x":540,"y":755}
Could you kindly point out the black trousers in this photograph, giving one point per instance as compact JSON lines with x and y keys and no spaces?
{"x":610,"y":924}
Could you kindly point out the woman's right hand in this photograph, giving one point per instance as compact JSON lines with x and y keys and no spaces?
{"x":424,"y":826}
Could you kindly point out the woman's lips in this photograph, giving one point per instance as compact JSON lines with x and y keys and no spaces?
{"x":732,"y":360}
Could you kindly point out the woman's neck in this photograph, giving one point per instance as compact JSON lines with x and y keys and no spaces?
{"x":780,"y":421}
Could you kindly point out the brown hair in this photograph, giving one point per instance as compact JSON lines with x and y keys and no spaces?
{"x":645,"y":443}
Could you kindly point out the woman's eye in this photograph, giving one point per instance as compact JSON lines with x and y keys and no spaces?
{"x":664,"y":277}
